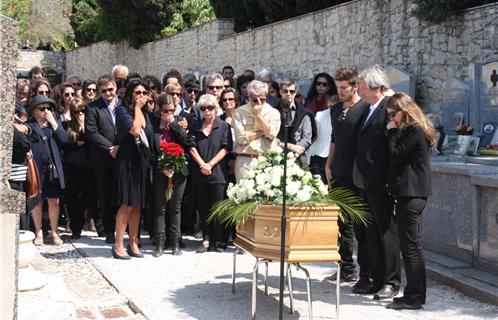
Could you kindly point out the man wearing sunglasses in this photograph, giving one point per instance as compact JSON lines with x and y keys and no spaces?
{"x":100,"y":128}
{"x":301,"y":130}
{"x":190,"y":96}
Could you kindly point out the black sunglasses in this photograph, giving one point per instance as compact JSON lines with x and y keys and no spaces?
{"x":204,"y":108}
{"x":44,"y":108}
{"x":323,"y":84}
{"x":215,"y":87}
{"x":178,"y":94}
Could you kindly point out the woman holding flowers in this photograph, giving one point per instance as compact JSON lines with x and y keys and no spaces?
{"x":213,"y":142}
{"x":410,"y":136}
{"x":169,"y":137}
{"x":133,"y":162}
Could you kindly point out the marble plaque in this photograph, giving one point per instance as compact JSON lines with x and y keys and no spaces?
{"x":456,"y":101}
{"x":401,"y":81}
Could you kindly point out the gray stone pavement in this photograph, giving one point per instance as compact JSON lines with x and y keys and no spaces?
{"x":198,"y":286}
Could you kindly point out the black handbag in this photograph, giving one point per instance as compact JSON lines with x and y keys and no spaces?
{"x":52,"y":169}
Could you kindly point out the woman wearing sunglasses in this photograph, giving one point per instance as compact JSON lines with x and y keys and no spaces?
{"x":89,"y":91}
{"x":66,"y":95}
{"x":213,"y":142}
{"x":167,"y":129}
{"x":410,"y":137}
{"x":80,"y":192}
{"x":321,"y":90}
{"x":46,"y":140}
{"x":132,"y":168}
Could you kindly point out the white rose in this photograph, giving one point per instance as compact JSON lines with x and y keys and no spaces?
{"x":269,"y":193}
{"x":293,"y":187}
{"x":262,"y":178}
{"x":303,"y":195}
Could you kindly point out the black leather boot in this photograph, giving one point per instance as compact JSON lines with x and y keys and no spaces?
{"x":175,"y":246}
{"x":159,"y":250}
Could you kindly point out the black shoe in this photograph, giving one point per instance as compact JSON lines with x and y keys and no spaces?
{"x":175,"y":247}
{"x":348,"y":277}
{"x":218,"y":247}
{"x":403,"y":298}
{"x":76,"y":235}
{"x":159,"y":250}
{"x":115,"y":255}
{"x":386,"y":292}
{"x":109,"y":238}
{"x":182,"y":245}
{"x":402,"y":304}
{"x":202,"y":248}
{"x":363,"y":286}
{"x":134,"y":254}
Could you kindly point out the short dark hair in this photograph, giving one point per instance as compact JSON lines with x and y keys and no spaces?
{"x":33,"y":71}
{"x":173,"y":73}
{"x":227,"y":67}
{"x":346,"y":74}
{"x":105,"y":79}
{"x":192,"y":84}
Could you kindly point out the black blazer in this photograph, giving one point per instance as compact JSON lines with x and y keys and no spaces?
{"x":100,"y":133}
{"x":410,"y":167}
{"x":179,"y":136}
{"x":372,"y":158}
{"x":55,"y":142}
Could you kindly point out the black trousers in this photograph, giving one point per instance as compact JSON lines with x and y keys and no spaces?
{"x":317,"y":166}
{"x":107,"y":210}
{"x":80,"y":194}
{"x":189,"y":208}
{"x":207,"y":196}
{"x":409,"y":219}
{"x":348,"y":232}
{"x":172,"y":207}
{"x":383,"y":240}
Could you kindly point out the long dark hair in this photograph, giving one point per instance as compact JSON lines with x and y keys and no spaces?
{"x":128,"y":97}
{"x":312,"y":91}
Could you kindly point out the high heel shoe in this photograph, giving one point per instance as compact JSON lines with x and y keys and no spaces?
{"x":134,"y":254}
{"x":115,"y":255}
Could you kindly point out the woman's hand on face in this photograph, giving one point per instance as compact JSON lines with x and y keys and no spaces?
{"x":49,"y":116}
{"x":167,"y":117}
{"x":391,"y":125}
{"x":141,"y":102}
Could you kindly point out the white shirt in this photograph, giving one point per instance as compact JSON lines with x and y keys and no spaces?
{"x":372,"y":109}
{"x":324,"y":130}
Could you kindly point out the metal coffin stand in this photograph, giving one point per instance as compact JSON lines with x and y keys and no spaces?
{"x":310,"y":237}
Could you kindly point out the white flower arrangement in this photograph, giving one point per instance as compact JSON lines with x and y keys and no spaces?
{"x":263,"y":184}
{"x":264,"y":181}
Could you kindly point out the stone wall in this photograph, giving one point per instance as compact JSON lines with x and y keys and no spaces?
{"x":11,"y":202}
{"x":361,"y":33}
{"x":28,"y":59}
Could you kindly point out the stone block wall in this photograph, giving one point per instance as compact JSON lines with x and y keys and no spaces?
{"x":28,"y":59}
{"x":360,"y":33}
{"x":11,"y":202}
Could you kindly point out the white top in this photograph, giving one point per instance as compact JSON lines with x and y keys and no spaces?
{"x":324,"y":130}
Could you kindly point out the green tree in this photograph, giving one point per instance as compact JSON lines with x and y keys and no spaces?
{"x":190,"y":14}
{"x":17,"y":10}
{"x":85,"y":18}
{"x":437,"y":11}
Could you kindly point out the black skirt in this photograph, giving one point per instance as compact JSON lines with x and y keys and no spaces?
{"x":133,"y":185}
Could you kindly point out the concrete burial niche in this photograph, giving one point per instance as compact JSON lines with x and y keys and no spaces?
{"x":11,"y":202}
{"x":401,"y":81}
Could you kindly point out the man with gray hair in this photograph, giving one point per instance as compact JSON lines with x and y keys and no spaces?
{"x":369,"y":176}
{"x":214,"y":84}
{"x":266,"y":76}
{"x":256,"y":126}
{"x":120,"y":72}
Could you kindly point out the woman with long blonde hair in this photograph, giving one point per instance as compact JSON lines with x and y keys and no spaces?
{"x":410,"y":137}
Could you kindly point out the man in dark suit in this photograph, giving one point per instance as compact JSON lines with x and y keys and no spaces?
{"x":100,"y":129}
{"x":369,"y":176}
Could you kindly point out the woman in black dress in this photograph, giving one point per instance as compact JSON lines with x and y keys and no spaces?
{"x":133,"y":163}
{"x":213,"y":141}
{"x":46,"y":138}
{"x":410,"y":136}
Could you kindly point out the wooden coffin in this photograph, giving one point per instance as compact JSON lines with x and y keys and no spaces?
{"x":311,"y":236}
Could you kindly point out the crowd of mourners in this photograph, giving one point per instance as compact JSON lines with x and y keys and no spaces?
{"x":96,"y":145}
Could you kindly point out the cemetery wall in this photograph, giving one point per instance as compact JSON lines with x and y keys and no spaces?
{"x":360,"y":33}
{"x":27,"y":59}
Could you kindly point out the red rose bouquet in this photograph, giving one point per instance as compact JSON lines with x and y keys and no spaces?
{"x":172,"y":158}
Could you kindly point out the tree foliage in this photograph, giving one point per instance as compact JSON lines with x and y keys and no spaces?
{"x":437,"y":11}
{"x":17,"y":10}
{"x":249,"y":14}
{"x":191,"y":13}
